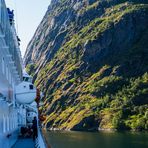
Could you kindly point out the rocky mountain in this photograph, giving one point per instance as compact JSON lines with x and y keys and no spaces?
{"x":90,"y":58}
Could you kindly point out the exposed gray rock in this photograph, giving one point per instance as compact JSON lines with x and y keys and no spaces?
{"x":86,"y":54}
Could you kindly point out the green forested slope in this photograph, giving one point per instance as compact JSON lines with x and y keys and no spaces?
{"x":95,"y":74}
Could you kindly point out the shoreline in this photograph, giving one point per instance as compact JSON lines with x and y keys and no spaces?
{"x":99,"y":130}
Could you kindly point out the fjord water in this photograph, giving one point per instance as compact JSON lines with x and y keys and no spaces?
{"x":72,"y":139}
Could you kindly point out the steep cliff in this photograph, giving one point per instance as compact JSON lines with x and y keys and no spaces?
{"x":89,"y":57}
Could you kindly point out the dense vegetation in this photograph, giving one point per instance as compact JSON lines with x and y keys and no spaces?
{"x":98,"y":76}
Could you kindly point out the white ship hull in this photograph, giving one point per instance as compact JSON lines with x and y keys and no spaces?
{"x":14,"y":104}
{"x":9,"y":78}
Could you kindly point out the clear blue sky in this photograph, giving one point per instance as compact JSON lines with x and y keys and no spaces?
{"x":28,"y":15}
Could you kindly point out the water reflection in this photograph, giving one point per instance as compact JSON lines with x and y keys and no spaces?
{"x":97,"y":139}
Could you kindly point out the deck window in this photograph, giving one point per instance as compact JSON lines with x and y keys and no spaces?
{"x":7,"y":73}
{"x":31,"y":86}
{"x":3,"y":65}
{"x":4,"y":124}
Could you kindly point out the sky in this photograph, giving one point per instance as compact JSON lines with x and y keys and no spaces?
{"x":28,"y":15}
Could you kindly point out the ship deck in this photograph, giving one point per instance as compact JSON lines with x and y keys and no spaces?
{"x":24,"y":143}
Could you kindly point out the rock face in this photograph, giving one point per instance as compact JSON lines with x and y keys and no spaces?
{"x":89,"y":57}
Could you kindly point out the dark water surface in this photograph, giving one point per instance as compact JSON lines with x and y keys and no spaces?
{"x":97,"y":139}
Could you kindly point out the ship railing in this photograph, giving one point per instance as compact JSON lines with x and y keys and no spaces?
{"x":7,"y":30}
{"x":40,"y":141}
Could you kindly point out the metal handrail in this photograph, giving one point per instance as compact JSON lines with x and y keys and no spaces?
{"x":41,"y":142}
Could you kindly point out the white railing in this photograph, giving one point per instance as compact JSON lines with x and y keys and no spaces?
{"x":40,"y":141}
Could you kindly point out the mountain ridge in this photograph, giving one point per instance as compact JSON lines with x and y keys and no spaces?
{"x":89,"y":57}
